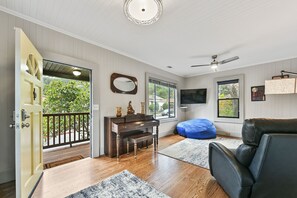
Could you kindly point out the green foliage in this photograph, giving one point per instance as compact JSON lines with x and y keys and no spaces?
{"x":152,"y":107}
{"x":229,"y":90}
{"x":228,"y":108}
{"x":165,"y":95}
{"x":165,"y":105}
{"x":161,"y":91}
{"x":66,"y":96}
{"x":151,"y":89}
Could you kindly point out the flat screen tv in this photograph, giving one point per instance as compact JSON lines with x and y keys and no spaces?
{"x":193,"y":96}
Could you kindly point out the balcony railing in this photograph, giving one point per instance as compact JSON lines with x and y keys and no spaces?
{"x":65,"y":128}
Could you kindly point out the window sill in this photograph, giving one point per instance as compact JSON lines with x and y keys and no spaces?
{"x":165,"y":120}
{"x":229,"y":120}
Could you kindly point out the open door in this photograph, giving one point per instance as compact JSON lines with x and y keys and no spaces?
{"x":28,"y":115}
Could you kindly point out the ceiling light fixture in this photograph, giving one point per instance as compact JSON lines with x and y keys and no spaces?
{"x":283,"y":85}
{"x":280,"y":86}
{"x":287,"y":72}
{"x":76,"y":72}
{"x":143,"y":12}
{"x":214,"y":66}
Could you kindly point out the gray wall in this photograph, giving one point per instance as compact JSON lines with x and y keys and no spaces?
{"x":105,"y":63}
{"x":275,"y":106}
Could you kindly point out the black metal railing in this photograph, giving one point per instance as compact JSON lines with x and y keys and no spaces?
{"x":65,"y":128}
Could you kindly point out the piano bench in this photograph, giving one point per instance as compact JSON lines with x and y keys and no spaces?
{"x":139,"y":138}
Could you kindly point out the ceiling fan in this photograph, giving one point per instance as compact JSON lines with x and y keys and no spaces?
{"x":214,"y":64}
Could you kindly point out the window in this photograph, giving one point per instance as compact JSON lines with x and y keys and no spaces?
{"x":161,"y":98}
{"x":229,"y":99}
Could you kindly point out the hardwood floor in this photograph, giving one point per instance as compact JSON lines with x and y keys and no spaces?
{"x":173,"y":177}
{"x":52,"y":155}
{"x":7,"y":190}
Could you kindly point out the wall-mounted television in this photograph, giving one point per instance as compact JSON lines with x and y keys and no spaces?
{"x":193,"y":96}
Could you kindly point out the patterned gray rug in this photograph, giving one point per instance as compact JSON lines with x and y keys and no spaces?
{"x":121,"y":185}
{"x":196,"y":151}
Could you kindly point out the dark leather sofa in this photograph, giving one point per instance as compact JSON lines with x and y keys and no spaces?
{"x":265,"y":165}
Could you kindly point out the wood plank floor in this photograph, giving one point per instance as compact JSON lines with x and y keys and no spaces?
{"x":173,"y":177}
{"x":52,"y":155}
{"x":7,"y":190}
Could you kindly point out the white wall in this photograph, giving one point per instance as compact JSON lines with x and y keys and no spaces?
{"x":105,"y":63}
{"x":275,"y":106}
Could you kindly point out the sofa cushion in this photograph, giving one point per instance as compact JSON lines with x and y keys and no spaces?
{"x":253,"y":129}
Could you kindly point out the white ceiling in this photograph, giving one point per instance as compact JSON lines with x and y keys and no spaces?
{"x":188,"y":32}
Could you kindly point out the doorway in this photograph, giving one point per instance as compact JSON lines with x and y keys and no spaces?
{"x":66,"y":113}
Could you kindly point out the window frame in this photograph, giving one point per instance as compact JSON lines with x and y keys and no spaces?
{"x":240,"y":117}
{"x":162,"y":79}
{"x":218,"y":102}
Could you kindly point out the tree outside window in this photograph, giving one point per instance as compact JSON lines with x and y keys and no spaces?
{"x":64,"y":96}
{"x":228,"y":99}
{"x":162,"y":99}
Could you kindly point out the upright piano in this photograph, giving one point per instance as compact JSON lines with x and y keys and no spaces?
{"x":117,"y":129}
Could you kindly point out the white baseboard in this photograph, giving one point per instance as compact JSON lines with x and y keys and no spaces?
{"x":223,"y":133}
{"x":229,"y":134}
{"x":7,"y":176}
{"x":163,"y":134}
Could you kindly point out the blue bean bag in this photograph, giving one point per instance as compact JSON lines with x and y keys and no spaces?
{"x":197,"y":128}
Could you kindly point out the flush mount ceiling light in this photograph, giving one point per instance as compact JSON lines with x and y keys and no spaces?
{"x":143,"y":12}
{"x":76,"y":72}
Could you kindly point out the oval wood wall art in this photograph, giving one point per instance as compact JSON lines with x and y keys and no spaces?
{"x":120,"y":83}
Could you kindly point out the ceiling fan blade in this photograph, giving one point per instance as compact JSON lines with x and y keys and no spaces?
{"x":200,"y":65}
{"x":229,"y":60}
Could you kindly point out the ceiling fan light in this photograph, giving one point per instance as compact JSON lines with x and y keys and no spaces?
{"x":76,"y":72}
{"x":214,"y":67}
{"x":143,"y":12}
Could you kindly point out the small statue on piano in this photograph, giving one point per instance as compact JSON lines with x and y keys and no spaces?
{"x":130,"y":110}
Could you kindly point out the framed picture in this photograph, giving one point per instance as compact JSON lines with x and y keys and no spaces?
{"x":258,"y":93}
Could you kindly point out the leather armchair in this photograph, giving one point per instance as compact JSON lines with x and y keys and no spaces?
{"x":265,"y":165}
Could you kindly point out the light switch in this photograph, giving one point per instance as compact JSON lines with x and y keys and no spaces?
{"x":95,"y":107}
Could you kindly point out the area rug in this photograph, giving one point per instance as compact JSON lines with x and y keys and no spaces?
{"x":63,"y":161}
{"x":196,"y":151}
{"x":123,"y":184}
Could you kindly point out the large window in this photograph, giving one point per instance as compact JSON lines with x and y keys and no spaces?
{"x":162,"y":98}
{"x":228,"y":99}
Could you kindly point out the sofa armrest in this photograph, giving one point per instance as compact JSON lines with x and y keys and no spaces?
{"x":230,"y":174}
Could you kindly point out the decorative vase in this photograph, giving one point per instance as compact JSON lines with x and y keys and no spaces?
{"x":119,"y":111}
{"x":142,"y":108}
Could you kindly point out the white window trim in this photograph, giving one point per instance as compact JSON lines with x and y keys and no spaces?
{"x":241,"y":99}
{"x":161,"y":78}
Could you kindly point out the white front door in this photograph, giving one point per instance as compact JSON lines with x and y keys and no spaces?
{"x":28,"y":114}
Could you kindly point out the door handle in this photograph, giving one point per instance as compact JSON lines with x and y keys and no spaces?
{"x":11,"y":125}
{"x":24,"y":115}
{"x":25,"y":125}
